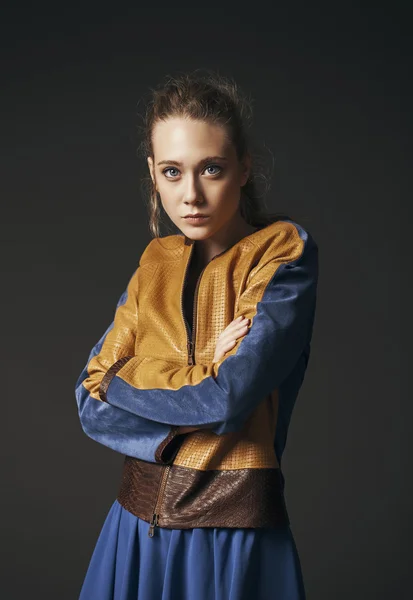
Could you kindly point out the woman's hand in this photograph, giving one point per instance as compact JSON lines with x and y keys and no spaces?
{"x":229,"y":336}
{"x":225,"y":342}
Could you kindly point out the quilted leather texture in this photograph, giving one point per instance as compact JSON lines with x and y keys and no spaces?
{"x":192,"y":498}
{"x":250,"y":448}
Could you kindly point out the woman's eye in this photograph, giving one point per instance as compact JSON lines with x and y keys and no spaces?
{"x":214,"y":167}
{"x":169,"y":169}
{"x":177,"y":170}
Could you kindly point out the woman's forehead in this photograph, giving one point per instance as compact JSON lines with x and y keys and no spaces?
{"x":184,"y":140}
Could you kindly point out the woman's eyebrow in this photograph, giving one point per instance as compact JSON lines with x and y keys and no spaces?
{"x":179,"y":164}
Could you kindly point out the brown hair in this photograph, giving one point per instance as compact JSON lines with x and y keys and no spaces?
{"x":218,"y":100}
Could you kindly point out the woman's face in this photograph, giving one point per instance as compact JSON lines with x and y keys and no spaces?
{"x":195,"y":169}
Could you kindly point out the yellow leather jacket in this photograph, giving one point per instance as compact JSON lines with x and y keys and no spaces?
{"x":149,"y":374}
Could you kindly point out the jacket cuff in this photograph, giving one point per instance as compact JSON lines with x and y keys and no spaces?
{"x":166,"y":451}
{"x":109,"y":375}
{"x":168,"y":448}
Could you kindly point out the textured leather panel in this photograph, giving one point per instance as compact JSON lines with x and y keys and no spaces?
{"x":250,"y":448}
{"x":234,"y":498}
{"x":139,"y":486}
{"x":161,"y":332}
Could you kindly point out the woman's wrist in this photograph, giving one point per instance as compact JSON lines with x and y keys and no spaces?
{"x":186,"y":429}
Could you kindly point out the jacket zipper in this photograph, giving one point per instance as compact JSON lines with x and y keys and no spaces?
{"x":155,"y":515}
{"x":191,"y":338}
{"x":191,"y":361}
{"x":191,"y":341}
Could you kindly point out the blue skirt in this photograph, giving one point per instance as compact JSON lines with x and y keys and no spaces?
{"x":183,"y":564}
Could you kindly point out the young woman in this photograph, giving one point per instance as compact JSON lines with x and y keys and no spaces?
{"x":195,"y":379}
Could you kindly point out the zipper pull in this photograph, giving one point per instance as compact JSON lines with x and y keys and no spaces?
{"x":154,"y":523}
{"x":190,"y":346}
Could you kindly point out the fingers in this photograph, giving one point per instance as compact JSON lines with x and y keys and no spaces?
{"x":236,"y":324}
{"x":236,"y":327}
{"x":229,"y":336}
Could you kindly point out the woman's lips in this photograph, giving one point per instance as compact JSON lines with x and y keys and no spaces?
{"x":196,"y":220}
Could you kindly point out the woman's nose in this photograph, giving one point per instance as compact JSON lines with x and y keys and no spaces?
{"x":193,"y":192}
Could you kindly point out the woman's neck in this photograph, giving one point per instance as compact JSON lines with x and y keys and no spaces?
{"x":223,"y":239}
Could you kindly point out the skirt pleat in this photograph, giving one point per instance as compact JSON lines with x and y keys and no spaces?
{"x":191,"y":564}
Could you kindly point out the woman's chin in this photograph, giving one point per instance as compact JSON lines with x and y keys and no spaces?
{"x":200,"y":231}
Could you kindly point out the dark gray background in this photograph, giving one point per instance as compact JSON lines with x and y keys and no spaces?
{"x":332,"y":99}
